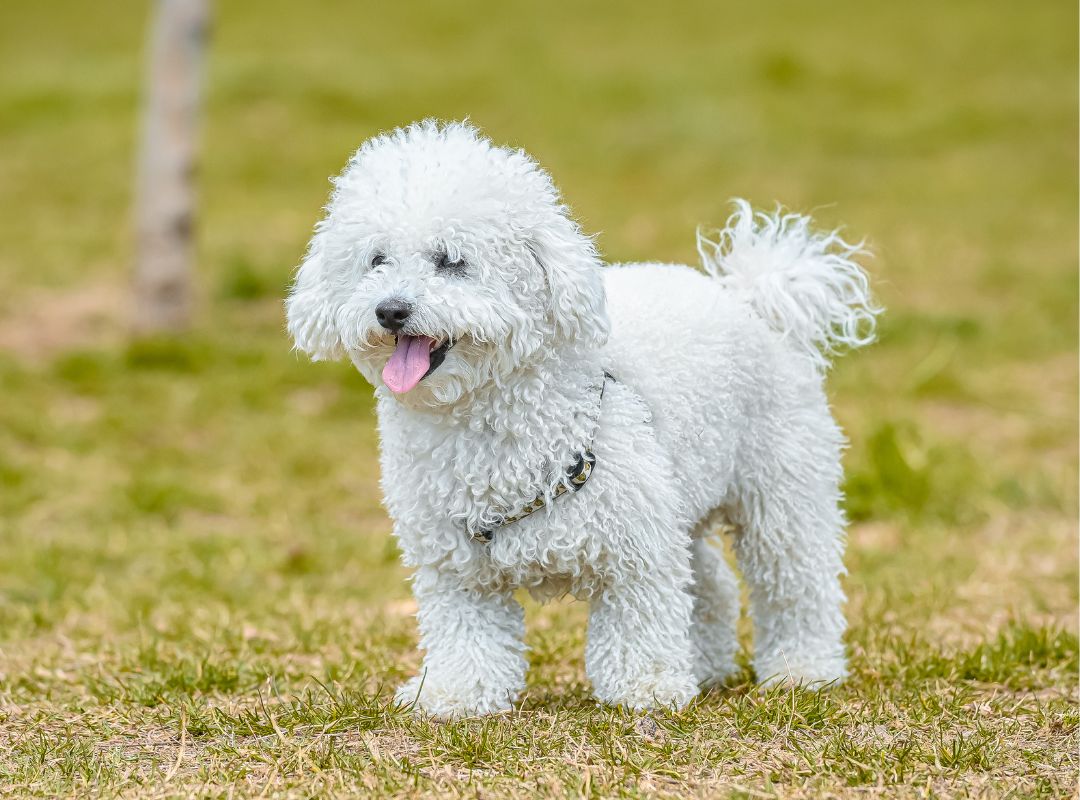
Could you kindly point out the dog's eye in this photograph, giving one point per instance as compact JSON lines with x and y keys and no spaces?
{"x":444,"y":264}
{"x":378,"y":259}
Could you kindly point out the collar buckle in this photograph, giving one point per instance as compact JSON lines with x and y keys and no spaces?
{"x":577,"y":475}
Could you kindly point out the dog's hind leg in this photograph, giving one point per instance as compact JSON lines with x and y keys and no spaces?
{"x":790,"y":551}
{"x":715,"y":589}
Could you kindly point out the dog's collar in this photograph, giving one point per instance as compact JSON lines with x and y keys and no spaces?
{"x":577,"y":474}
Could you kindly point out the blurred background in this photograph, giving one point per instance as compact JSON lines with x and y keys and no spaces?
{"x":208,"y":497}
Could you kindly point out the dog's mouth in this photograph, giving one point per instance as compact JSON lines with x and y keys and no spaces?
{"x":413,"y":359}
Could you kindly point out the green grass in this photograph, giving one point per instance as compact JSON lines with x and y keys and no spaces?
{"x":198,"y":592}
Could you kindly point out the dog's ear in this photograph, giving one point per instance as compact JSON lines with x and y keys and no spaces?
{"x":313,"y":303}
{"x":575,"y":285}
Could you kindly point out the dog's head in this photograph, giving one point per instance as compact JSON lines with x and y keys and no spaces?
{"x":444,"y":262}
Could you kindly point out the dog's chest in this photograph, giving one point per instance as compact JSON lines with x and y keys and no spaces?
{"x":451,"y":486}
{"x":477,"y":470}
{"x":473,"y":481}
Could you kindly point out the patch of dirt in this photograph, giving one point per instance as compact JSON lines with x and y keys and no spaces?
{"x":45,"y":323}
{"x":875,"y":536}
{"x":401,"y":608}
{"x":1021,"y":566}
{"x":978,"y":423}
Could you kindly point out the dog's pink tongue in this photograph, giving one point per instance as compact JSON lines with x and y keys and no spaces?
{"x":409,"y":363}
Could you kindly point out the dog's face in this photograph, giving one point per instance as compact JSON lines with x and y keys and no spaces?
{"x":444,"y":263}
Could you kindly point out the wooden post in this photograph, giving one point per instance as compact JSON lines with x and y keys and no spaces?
{"x":165,"y":195}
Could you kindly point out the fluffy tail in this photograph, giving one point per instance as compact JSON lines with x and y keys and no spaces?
{"x":805,"y":284}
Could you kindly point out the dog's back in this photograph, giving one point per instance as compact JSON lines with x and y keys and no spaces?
{"x":743,"y":345}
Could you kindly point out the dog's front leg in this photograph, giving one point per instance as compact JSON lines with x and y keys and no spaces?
{"x":474,"y":661}
{"x":639,"y":653}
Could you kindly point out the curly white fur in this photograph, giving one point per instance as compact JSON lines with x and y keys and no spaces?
{"x":717,"y":415}
{"x":805,"y":283}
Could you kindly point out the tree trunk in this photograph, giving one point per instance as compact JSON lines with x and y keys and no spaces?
{"x":165,"y":196}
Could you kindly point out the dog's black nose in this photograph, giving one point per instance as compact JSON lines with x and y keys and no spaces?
{"x":392,"y":314}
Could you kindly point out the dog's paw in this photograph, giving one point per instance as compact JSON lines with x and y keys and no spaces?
{"x":710,"y":673}
{"x":445,"y":701}
{"x":664,"y":690}
{"x":806,"y":673}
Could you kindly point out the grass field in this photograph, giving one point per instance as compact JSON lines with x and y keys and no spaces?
{"x":198,"y":592}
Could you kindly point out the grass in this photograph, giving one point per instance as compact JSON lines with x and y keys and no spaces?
{"x":198,"y":592}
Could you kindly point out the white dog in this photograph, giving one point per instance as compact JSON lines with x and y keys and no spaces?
{"x":553,"y":425}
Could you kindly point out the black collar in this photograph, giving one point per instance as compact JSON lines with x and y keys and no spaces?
{"x":577,"y":474}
